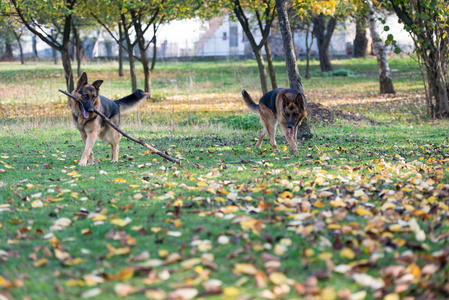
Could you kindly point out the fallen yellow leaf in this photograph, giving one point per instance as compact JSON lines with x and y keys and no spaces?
{"x":121,"y":222}
{"x":363,"y":212}
{"x":119,"y":180}
{"x":231,"y":291}
{"x":245,"y":268}
{"x":277,"y":278}
{"x":41,"y":262}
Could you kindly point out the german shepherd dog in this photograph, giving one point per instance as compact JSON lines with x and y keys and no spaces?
{"x":90,"y":125}
{"x":286,"y":106}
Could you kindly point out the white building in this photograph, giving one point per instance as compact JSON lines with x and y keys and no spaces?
{"x":220,"y":37}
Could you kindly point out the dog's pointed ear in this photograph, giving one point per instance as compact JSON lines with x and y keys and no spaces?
{"x":285,"y":100}
{"x":81,"y":82}
{"x":97,"y":84}
{"x":300,"y":100}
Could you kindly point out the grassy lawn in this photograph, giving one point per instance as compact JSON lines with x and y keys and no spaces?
{"x":360,"y":213}
{"x":183,"y":78}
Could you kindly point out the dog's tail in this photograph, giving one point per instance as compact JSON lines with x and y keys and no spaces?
{"x":253,"y":107}
{"x":132,"y":101}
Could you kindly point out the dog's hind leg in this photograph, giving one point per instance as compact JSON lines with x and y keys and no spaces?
{"x":272,"y":133}
{"x":262,"y":134}
{"x":114,"y":152}
{"x":114,"y":142}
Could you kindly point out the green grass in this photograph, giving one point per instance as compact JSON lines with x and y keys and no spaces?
{"x":43,"y":160}
{"x":350,"y":199}
{"x":197,"y":77}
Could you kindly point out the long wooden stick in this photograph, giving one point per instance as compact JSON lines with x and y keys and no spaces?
{"x":138,"y":141}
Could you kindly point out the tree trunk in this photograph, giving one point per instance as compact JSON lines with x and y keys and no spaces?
{"x":308,"y":48}
{"x":325,"y":62}
{"x":8,"y":48}
{"x":130,"y":51}
{"x":262,"y":70}
{"x":34,"y":42}
{"x":153,"y":60}
{"x":72,"y":51}
{"x":290,"y":60}
{"x":147,"y":73}
{"x":19,"y":42}
{"x":77,"y":51}
{"x":142,"y":48}
{"x":22,"y":61}
{"x":143,"y":57}
{"x":385,"y":82}
{"x":132,"y":70}
{"x":55,"y":56}
{"x":67,"y":70}
{"x":66,"y":64}
{"x":256,"y":47}
{"x":271,"y":70}
{"x":431,"y":40}
{"x":437,"y":82}
{"x":323,"y":35}
{"x":259,"y":58}
{"x":120,"y":50}
{"x":360,"y":40}
{"x":63,"y":48}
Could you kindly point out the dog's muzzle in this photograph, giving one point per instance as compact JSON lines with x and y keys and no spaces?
{"x":85,"y":112}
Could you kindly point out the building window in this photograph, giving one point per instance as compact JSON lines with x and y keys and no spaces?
{"x":233,"y":36}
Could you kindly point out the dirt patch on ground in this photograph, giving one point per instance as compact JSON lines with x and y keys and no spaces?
{"x":321,"y":113}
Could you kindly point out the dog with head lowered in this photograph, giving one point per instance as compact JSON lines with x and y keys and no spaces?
{"x":286,"y":106}
{"x":90,"y":125}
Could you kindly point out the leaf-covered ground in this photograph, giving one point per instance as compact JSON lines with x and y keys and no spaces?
{"x":359,"y":214}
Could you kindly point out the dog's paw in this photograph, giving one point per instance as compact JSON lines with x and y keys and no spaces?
{"x":294,"y":152}
{"x":82,"y":163}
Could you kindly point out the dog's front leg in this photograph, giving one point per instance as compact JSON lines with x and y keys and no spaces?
{"x":290,"y":140}
{"x":88,"y":156}
{"x":84,"y":138}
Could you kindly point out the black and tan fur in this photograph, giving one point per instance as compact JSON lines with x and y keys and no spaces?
{"x":90,"y":125}
{"x":286,"y":106}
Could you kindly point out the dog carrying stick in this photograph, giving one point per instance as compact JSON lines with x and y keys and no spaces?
{"x":138,"y":141}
